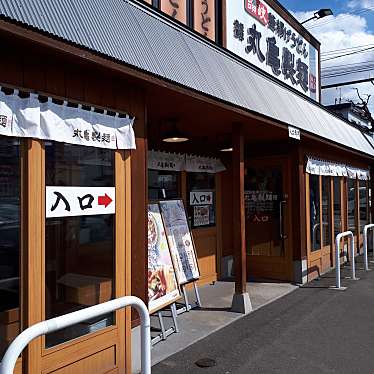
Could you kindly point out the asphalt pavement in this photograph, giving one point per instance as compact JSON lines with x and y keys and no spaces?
{"x":311,"y":330}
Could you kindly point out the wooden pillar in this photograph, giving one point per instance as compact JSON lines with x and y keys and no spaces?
{"x":371,"y":186}
{"x":299,"y":252}
{"x":357,"y":215}
{"x":33,"y":240}
{"x":241,"y":302}
{"x":139,"y":207}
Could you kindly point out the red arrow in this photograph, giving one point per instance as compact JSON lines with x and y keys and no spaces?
{"x":104,"y":200}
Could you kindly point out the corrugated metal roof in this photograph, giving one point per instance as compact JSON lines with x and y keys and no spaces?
{"x":137,"y":36}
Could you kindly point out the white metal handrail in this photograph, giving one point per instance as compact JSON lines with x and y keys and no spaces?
{"x":337,"y":256}
{"x":366,"y":229}
{"x":17,"y":346}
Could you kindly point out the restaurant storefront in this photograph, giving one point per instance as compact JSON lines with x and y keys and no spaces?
{"x":267,"y":176}
{"x":64,"y":190}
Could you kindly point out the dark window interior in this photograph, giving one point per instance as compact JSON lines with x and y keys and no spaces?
{"x":9,"y":241}
{"x":315,"y":224}
{"x":79,"y":251}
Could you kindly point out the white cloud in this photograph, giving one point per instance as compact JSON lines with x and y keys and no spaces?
{"x":360,"y":4}
{"x":340,"y":32}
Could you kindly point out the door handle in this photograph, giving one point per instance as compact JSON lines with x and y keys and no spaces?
{"x":281,"y":226}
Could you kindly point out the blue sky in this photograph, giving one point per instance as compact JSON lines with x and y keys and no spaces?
{"x":300,"y":5}
{"x":337,"y":6}
{"x":351,"y":26}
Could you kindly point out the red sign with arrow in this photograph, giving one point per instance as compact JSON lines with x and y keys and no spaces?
{"x":104,"y":200}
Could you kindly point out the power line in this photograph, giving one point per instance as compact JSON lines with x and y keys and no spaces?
{"x":345,"y":71}
{"x":337,"y":67}
{"x":348,"y":72}
{"x":323,"y":87}
{"x":365,"y":50}
{"x":345,"y":49}
{"x":351,"y":64}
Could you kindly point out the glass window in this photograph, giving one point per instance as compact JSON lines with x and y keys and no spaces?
{"x":79,"y":251}
{"x":9,"y":241}
{"x":337,"y":207}
{"x":364,"y":206}
{"x":265,"y":208}
{"x":326,"y":211}
{"x":163,"y":184}
{"x":315,"y":230}
{"x":201,"y":199}
{"x":352,"y":205}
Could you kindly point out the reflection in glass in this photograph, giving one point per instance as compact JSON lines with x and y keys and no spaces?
{"x":163,"y":185}
{"x":315,"y":229}
{"x":79,"y":251}
{"x":201,"y":213}
{"x":263,"y":198}
{"x":9,"y":241}
{"x":364,"y":206}
{"x":352,"y":205}
{"x":337,"y":207}
{"x":326,"y":211}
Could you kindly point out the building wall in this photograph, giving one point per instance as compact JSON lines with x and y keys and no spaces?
{"x":33,"y":68}
{"x":36,"y":69}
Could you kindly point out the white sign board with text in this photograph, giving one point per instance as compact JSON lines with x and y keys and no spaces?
{"x":79,"y":201}
{"x":258,"y":34}
{"x":201,"y":198}
{"x":293,"y":132}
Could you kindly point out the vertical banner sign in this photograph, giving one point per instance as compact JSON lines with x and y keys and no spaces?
{"x":176,"y":9}
{"x":162,"y":284}
{"x":79,"y":201}
{"x":204,"y":18}
{"x":257,"y":33}
{"x":180,"y":240}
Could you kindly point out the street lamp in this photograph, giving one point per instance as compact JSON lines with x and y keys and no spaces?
{"x":320,"y":14}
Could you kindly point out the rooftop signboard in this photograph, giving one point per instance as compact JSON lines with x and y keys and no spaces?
{"x":260,"y":35}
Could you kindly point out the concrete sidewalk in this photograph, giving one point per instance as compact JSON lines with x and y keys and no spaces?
{"x":312,"y":330}
{"x":215,"y":314}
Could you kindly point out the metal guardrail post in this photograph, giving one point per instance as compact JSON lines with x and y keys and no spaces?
{"x":337,"y":257}
{"x":366,"y":229}
{"x":17,"y":346}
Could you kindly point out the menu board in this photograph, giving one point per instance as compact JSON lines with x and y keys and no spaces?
{"x":162,"y":284}
{"x":180,"y":240}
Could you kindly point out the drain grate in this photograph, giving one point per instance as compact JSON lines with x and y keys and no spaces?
{"x":205,"y":362}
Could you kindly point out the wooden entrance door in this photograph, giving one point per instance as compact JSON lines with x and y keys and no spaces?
{"x":267,"y":218}
{"x":320,"y":241}
{"x":326,"y":223}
